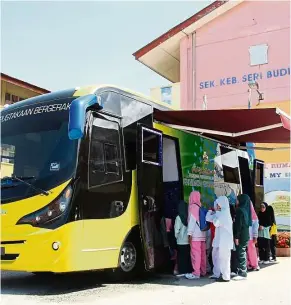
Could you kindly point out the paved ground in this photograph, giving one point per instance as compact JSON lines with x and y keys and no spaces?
{"x":270,"y":286}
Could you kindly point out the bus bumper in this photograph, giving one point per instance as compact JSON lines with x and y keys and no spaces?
{"x":24,"y":248}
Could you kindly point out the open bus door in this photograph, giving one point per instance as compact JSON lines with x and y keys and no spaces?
{"x":150,"y":191}
{"x":258,"y":183}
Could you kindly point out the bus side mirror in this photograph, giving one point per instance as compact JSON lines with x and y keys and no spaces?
{"x":77,"y":115}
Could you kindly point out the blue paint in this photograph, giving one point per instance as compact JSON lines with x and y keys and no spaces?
{"x":246,"y":78}
{"x":77,"y":115}
{"x":207,"y":84}
{"x":278,"y":73}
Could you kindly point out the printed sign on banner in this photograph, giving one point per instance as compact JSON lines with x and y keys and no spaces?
{"x":277,"y":192}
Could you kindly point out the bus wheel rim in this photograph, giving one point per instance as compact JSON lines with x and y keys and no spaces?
{"x":128,"y":257}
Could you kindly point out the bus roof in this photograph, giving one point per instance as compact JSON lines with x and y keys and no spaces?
{"x":81,"y":91}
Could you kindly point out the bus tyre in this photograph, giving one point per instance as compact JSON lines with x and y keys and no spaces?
{"x":128,"y":257}
{"x":130,"y":262}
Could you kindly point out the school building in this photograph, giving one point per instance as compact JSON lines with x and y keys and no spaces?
{"x":231,"y":54}
{"x":14,"y":90}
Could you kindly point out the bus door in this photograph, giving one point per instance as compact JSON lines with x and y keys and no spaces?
{"x":258,"y":183}
{"x":150,"y":192}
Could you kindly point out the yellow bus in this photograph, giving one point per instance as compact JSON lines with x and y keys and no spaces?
{"x":92,"y":178}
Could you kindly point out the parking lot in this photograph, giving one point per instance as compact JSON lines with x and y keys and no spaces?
{"x":269,"y":286}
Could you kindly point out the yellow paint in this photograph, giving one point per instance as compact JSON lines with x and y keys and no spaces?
{"x":85,"y":90}
{"x":6,"y":169}
{"x":85,"y":244}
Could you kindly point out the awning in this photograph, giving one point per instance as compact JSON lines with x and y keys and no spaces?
{"x":233,"y":126}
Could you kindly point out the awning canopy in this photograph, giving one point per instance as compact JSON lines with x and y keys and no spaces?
{"x":233,"y":126}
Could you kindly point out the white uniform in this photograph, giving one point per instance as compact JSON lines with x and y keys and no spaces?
{"x":223,"y":240}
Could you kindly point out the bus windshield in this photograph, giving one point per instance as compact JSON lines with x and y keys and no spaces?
{"x":35,"y":147}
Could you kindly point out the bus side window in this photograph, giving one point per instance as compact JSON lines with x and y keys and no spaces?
{"x":97,"y":156}
{"x":105,"y":156}
{"x":111,"y":159}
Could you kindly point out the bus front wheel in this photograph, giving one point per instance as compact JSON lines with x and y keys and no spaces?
{"x":130,"y":262}
{"x":128,"y":257}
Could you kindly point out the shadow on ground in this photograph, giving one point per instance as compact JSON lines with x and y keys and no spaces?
{"x":52,"y":285}
{"x":48,"y":285}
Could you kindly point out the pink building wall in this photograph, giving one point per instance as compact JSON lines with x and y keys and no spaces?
{"x":221,"y":59}
{"x":186,"y":75}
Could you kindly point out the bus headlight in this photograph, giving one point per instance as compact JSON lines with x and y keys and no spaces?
{"x":50,"y":212}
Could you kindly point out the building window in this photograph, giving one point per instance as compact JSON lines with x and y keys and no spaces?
{"x":166,"y":93}
{"x":7,"y":98}
{"x":7,"y":153}
{"x":11,"y":98}
{"x":258,"y":54}
{"x":15,"y":99}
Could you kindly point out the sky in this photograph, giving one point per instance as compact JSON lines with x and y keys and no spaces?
{"x":58,"y":45}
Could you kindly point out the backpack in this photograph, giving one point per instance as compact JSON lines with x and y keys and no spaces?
{"x":204,"y":225}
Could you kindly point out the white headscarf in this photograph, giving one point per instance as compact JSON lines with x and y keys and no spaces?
{"x":223,"y":223}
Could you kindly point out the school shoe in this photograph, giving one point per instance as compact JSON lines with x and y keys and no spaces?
{"x":241,"y":276}
{"x":260,"y":262}
{"x":191,"y":276}
{"x":266,"y":262}
{"x":213,"y":277}
{"x":233,"y":274}
{"x":257,"y":268}
{"x":221,"y":280}
{"x":254,"y":268}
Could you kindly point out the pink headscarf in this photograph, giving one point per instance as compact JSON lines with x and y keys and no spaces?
{"x":168,"y":224}
{"x":253,"y":212}
{"x":194,"y":200}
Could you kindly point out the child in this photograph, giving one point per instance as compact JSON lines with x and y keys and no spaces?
{"x":242,"y":223}
{"x":172,"y":244}
{"x":273,"y":233}
{"x":183,"y":247}
{"x":265,"y":223}
{"x":233,"y":259}
{"x":223,"y":239}
{"x":196,"y":238}
{"x":208,"y":250}
{"x":253,"y":263}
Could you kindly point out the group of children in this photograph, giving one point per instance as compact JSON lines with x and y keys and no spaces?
{"x":228,"y":244}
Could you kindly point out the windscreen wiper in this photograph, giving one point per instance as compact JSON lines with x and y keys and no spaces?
{"x":22,"y":180}
{"x":6,"y":181}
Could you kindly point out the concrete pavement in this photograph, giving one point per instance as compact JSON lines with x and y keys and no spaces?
{"x":270,"y":286}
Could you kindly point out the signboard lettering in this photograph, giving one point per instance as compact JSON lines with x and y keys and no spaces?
{"x":232,"y":80}
{"x":35,"y":111}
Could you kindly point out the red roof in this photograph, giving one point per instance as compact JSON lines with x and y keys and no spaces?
{"x":178,"y":28}
{"x":23,"y":84}
{"x":234,"y":126}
